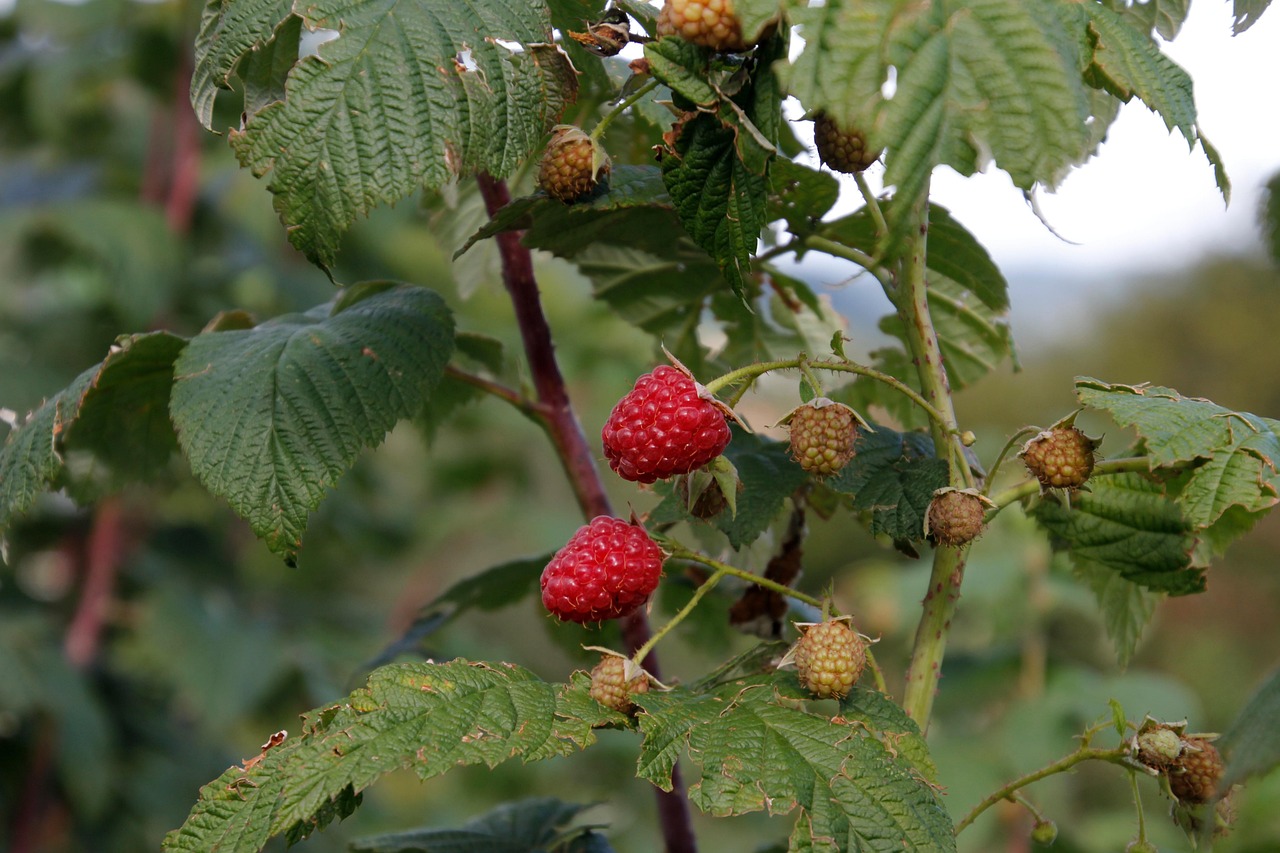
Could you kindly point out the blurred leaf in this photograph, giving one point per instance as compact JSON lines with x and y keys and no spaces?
{"x":493,"y":589}
{"x":269,"y":418}
{"x":1126,"y":606}
{"x":1252,"y":741}
{"x":421,"y":716}
{"x":523,"y":826}
{"x":756,"y":749}
{"x":800,"y":195}
{"x":682,"y":67}
{"x":464,"y":103}
{"x":1235,"y":454}
{"x":123,"y":402}
{"x":1127,"y":525}
{"x":1270,"y":216}
{"x":892,"y":475}
{"x":1246,"y":13}
{"x":1166,"y":17}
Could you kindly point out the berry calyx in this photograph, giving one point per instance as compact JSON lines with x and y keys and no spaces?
{"x":844,"y":150}
{"x":829,"y":657}
{"x":606,"y":570}
{"x":666,"y":425}
{"x":573,"y":164}
{"x":956,"y":516}
{"x":1044,"y":832}
{"x":1060,"y":458}
{"x":1194,"y":777}
{"x":1158,"y":747}
{"x":709,"y":23}
{"x":823,"y":433}
{"x":615,"y":680}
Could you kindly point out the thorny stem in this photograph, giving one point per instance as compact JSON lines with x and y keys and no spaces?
{"x":877,"y":674}
{"x":621,"y":107}
{"x":571,"y":446}
{"x":751,"y":372}
{"x":1115,"y":756}
{"x":104,"y":552}
{"x":943,"y":594}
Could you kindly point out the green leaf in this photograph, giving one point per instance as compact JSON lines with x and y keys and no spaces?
{"x":1234,"y":455}
{"x":992,"y":76}
{"x":720,"y":201}
{"x":682,"y":67}
{"x":769,"y":476}
{"x":800,"y":195}
{"x":115,"y":413}
{"x":1252,"y":741}
{"x":628,"y":186}
{"x":1246,"y":14}
{"x":893,"y":476}
{"x":407,"y":96}
{"x":756,"y":749}
{"x":1128,"y":525}
{"x":886,"y":719}
{"x":524,"y":826}
{"x":423,"y":716}
{"x":1126,"y":606}
{"x":270,"y":417}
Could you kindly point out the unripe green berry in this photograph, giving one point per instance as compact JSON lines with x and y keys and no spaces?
{"x":1044,"y":832}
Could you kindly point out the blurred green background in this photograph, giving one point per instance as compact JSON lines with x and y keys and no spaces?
{"x":149,"y":641}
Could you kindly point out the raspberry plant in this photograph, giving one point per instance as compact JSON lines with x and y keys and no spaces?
{"x":481,"y":98}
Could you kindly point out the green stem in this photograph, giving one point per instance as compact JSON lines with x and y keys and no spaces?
{"x":873,"y":204}
{"x":849,"y":253}
{"x":806,"y":369}
{"x":621,"y":107}
{"x":877,"y":675}
{"x":679,"y":552}
{"x":1127,"y":465}
{"x":925,"y":669}
{"x":526,"y":406}
{"x":1004,"y":451}
{"x":1115,"y":756}
{"x":704,"y":588}
{"x":1137,"y":806}
{"x":780,"y":249}
{"x":752,"y":371}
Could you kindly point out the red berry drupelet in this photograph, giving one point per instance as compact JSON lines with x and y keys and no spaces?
{"x":666,"y":425}
{"x":606,"y":570}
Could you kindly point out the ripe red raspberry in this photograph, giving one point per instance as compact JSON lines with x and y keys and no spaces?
{"x":956,"y":516}
{"x":1060,"y":458}
{"x":610,"y":685}
{"x":572,"y":164}
{"x":666,"y":425}
{"x":822,"y":436}
{"x":830,"y":657}
{"x":843,"y":150}
{"x":710,"y":23}
{"x":1194,"y":777}
{"x":608,"y":569}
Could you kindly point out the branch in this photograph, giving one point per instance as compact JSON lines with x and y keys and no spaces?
{"x":579,"y":462}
